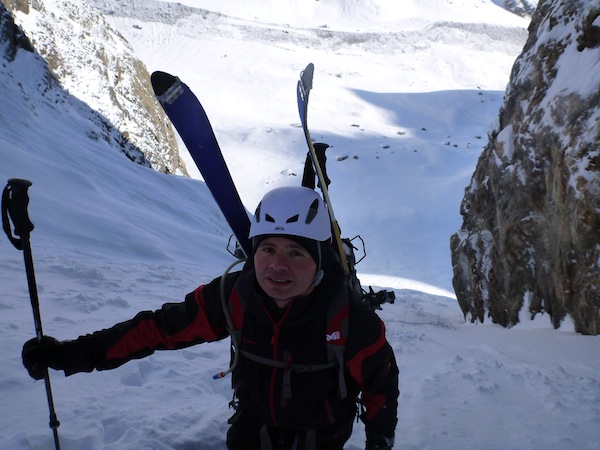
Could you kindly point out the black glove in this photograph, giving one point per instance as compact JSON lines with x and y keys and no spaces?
{"x":379,"y":442}
{"x":38,"y":356}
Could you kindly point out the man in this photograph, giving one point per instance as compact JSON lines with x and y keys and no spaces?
{"x":298,"y":371}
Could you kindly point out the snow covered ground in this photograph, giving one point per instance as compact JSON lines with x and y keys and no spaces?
{"x":406,"y":113}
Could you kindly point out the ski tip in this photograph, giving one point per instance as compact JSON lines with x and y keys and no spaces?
{"x":306,"y":77}
{"x":161,"y":82}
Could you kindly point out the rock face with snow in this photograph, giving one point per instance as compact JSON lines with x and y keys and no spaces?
{"x":531,"y":215}
{"x":518,"y":7}
{"x":11,"y":36}
{"x":97,"y":65}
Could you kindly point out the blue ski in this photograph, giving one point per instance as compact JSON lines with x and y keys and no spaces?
{"x":191,"y":122}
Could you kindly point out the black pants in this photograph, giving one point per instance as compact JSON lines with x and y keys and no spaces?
{"x":245,"y":430}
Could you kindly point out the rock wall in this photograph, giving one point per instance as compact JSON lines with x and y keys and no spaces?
{"x":530,"y":236}
{"x":97,"y":65}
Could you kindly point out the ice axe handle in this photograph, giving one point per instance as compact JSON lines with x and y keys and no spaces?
{"x":15,"y":201}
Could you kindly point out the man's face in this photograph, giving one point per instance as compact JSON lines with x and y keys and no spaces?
{"x":284,"y":269}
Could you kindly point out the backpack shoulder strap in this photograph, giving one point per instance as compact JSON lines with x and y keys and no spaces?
{"x":337,"y":333}
{"x":232,"y":306}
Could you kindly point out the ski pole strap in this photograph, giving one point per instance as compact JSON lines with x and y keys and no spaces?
{"x":14,"y":206}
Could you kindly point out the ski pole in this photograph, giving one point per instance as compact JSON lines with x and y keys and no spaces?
{"x":14,"y":206}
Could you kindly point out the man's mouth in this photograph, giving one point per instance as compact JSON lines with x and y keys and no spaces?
{"x":279,"y":281}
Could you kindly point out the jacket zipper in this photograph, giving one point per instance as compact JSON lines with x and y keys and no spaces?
{"x":274,"y":345}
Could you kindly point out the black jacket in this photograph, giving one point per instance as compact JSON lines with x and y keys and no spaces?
{"x":296,"y":335}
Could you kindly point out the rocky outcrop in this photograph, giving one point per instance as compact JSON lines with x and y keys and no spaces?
{"x":12,"y":37}
{"x":521,"y":8}
{"x":97,"y":65}
{"x":530,"y":239}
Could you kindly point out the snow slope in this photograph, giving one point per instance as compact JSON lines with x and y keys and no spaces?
{"x":377,"y":100}
{"x":409,"y":109}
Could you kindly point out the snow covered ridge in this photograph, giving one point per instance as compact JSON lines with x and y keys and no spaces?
{"x":530,"y":233}
{"x":342,"y":15}
{"x":96,"y":65}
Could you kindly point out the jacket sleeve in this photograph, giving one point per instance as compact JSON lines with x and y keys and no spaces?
{"x":199,"y":318}
{"x":372,"y":364}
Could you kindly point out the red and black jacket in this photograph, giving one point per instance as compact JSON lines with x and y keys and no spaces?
{"x":296,"y":335}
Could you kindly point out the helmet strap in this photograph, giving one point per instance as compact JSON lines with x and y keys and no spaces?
{"x":320,"y":273}
{"x":318,"y":277}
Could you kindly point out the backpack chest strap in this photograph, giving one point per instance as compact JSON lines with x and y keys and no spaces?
{"x":288,"y":368}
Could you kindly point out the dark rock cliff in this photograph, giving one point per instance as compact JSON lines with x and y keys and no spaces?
{"x":531,"y":215}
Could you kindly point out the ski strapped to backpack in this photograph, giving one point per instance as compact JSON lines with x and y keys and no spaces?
{"x":191,"y":122}
{"x":315,"y":165}
{"x":302,"y":93}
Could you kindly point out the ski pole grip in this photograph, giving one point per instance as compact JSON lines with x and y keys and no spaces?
{"x":15,"y":201}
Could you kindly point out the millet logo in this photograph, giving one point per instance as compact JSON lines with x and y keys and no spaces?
{"x":335,"y":336}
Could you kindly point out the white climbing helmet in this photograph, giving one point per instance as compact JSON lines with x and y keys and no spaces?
{"x":293,"y":211}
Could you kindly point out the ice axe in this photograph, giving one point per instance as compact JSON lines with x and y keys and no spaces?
{"x":15,"y":200}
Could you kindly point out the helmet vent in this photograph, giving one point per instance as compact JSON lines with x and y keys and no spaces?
{"x":257,"y":212}
{"x":268,"y":218}
{"x":312,"y":211}
{"x":293,"y":219}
